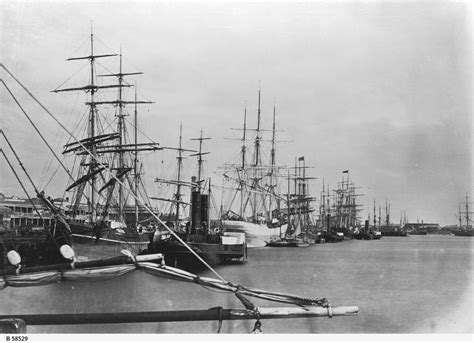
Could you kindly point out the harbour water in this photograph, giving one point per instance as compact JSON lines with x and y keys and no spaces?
{"x":416,"y":284}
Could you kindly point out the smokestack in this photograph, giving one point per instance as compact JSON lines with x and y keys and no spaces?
{"x":195,"y":205}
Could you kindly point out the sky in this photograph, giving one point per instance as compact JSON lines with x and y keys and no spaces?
{"x":382,"y":89}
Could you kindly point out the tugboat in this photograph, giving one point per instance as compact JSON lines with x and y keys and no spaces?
{"x":365,"y":234}
{"x":211,"y":244}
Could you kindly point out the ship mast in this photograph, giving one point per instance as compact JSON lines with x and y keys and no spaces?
{"x":257,"y":159}
{"x":375,"y":216}
{"x":121,"y":139}
{"x":467,"y":212}
{"x":92,"y":160}
{"x":135,"y":160}
{"x":460,"y":216}
{"x":92,"y":88}
{"x":180,"y":165}
{"x":199,"y":155}
{"x":243,"y":164}
{"x":272,"y":162}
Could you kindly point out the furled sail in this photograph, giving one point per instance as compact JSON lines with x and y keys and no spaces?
{"x":85,"y":178}
{"x":119,"y":176}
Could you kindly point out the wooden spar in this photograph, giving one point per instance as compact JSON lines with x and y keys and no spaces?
{"x":216,"y":313}
{"x":91,"y":87}
{"x":90,"y":57}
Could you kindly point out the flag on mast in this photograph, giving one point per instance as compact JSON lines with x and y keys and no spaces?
{"x":301,"y":158}
{"x":345,"y":171}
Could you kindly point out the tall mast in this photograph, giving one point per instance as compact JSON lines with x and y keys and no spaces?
{"x":178,"y":186}
{"x":92,"y":160}
{"x":460,"y":216}
{"x":288,"y":203}
{"x":375,"y":216}
{"x":467,"y":211}
{"x":380,"y":214}
{"x":257,"y":138}
{"x":322,"y":211}
{"x":121,"y":138}
{"x":272,"y":160}
{"x":243,"y":137}
{"x":257,"y":158}
{"x":305,"y":192}
{"x":272,"y":152}
{"x":243,"y":162}
{"x":135,"y":160}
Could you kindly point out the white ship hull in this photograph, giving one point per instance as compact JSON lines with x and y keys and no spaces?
{"x":256,"y":235}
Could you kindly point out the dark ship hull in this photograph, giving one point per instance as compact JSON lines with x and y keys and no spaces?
{"x":213,"y":249}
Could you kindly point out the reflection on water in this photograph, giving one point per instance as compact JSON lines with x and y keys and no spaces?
{"x":417,"y":284}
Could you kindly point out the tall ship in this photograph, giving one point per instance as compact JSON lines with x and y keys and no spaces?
{"x":301,"y":231}
{"x":345,"y":206}
{"x":339,"y":214}
{"x":251,"y":188}
{"x":465,"y":222}
{"x":99,"y":212}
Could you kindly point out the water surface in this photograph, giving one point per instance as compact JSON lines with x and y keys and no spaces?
{"x":416,"y":284}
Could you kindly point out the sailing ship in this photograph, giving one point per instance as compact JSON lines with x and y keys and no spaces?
{"x":102,"y":222}
{"x":254,"y":206}
{"x":210,"y":243}
{"x":300,"y":231}
{"x":346,"y":208}
{"x":465,"y":226}
{"x":339,"y":220}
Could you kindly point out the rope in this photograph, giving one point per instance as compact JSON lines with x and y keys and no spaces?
{"x":162,"y":270}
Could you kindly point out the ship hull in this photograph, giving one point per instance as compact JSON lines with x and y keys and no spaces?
{"x":464,"y":233}
{"x":256,"y":235}
{"x":88,"y":247}
{"x":177,"y":255}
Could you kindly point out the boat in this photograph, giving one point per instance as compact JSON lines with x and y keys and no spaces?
{"x":339,"y":221}
{"x":364,"y":234}
{"x":212,"y":244}
{"x":465,"y":228}
{"x":102,"y":222}
{"x":300,"y":230}
{"x":254,"y":203}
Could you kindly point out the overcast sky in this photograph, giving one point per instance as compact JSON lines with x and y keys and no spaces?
{"x":381,"y":89}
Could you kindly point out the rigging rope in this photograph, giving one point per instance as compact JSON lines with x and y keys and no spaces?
{"x":160,"y":270}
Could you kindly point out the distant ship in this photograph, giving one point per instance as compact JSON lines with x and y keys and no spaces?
{"x":301,"y":231}
{"x":465,"y":226}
